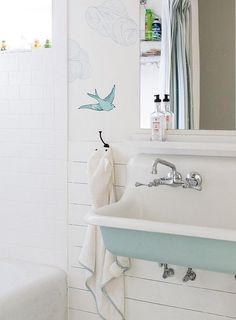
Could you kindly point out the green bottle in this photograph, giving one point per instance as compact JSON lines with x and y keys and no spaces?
{"x":47,"y":44}
{"x":148,"y":24}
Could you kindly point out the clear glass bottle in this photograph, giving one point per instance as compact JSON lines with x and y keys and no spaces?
{"x":169,"y":115}
{"x":158,"y":121}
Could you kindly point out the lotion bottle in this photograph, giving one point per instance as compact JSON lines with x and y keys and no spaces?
{"x":169,"y":115}
{"x":158,"y":121}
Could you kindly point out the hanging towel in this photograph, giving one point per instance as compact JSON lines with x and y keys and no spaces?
{"x":104,"y":272}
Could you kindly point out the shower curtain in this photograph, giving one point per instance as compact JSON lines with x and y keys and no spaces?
{"x":176,"y":60}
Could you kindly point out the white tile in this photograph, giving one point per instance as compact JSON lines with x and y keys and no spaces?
{"x":12,"y":62}
{"x":42,"y":77}
{"x":43,"y":136}
{"x":4,"y":63}
{"x":33,"y":172}
{"x":31,"y":92}
{"x":4,"y":78}
{"x":48,"y":91}
{"x":42,"y":106}
{"x":9,"y":92}
{"x":4,"y":106}
{"x":20,"y":78}
{"x":20,"y":107}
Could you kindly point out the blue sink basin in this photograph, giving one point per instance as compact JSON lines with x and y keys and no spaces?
{"x":170,"y":225}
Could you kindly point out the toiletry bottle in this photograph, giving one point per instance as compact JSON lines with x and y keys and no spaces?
{"x":158,"y":121}
{"x":169,"y":115}
{"x":47,"y":44}
{"x":4,"y":45}
{"x":148,"y":24}
{"x":156,"y":30}
{"x":36,"y":44}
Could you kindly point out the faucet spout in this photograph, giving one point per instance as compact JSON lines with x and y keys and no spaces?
{"x":164,"y":163}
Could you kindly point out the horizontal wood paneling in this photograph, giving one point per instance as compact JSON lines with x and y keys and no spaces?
{"x":181,"y":296}
{"x":81,"y":300}
{"x":76,"y":235}
{"x":81,"y":315}
{"x":205,"y":279}
{"x":148,"y":296}
{"x":138,"y":310}
{"x":79,"y":193}
{"x":77,"y":214}
{"x":80,"y":151}
{"x":78,"y":173}
{"x":77,"y":278}
{"x":73,"y":256}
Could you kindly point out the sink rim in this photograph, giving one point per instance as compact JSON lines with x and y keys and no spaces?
{"x":160,"y":227}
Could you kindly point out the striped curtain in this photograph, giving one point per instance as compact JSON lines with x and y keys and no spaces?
{"x":176,"y":62}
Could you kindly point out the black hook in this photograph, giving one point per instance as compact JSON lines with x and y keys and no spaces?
{"x":106,"y":145}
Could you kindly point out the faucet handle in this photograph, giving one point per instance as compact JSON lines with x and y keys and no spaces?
{"x":153,"y":183}
{"x":175,"y":175}
{"x":139,"y":184}
{"x":194,"y":181}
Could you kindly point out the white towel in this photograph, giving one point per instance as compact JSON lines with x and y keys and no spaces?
{"x":104,"y":272}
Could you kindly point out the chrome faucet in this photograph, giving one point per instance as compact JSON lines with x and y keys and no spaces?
{"x":174,"y":178}
{"x":165,"y":163}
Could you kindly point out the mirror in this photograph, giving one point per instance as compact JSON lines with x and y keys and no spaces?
{"x":200,"y":81}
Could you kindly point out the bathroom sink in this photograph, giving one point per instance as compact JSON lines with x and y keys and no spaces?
{"x":169,"y":225}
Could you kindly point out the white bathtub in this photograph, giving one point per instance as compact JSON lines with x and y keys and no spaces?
{"x":31,"y":291}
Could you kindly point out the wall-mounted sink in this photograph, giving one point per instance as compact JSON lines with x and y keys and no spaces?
{"x":170,"y":225}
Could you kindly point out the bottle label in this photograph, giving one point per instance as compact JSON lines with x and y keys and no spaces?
{"x":156,"y":124}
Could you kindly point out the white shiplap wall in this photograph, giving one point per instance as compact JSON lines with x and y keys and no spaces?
{"x":211,"y":297}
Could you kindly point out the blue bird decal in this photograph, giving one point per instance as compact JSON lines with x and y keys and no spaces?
{"x":105,"y":104}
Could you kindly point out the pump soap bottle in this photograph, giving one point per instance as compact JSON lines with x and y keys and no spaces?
{"x":169,"y":115}
{"x":158,"y":121}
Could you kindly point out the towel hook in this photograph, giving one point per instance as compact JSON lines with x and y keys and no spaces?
{"x":106,"y":145}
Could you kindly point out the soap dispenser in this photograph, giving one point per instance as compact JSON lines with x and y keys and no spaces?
{"x":158,"y":121}
{"x":169,"y":115}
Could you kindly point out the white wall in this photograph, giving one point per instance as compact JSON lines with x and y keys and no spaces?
{"x":33,"y":156}
{"x":148,"y":296}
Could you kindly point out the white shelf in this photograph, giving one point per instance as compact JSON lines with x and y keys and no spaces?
{"x":147,"y":45}
{"x":150,"y":59}
{"x":22,"y":50}
{"x":211,"y":145}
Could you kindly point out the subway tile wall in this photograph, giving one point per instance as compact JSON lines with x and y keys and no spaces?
{"x":33,"y":155}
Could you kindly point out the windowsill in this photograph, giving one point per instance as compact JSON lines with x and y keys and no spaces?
{"x":22,"y":50}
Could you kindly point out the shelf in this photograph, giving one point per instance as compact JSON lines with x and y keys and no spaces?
{"x":11,"y":51}
{"x":150,"y":41}
{"x":187,"y":142}
{"x":150,"y":59}
{"x":147,"y":45}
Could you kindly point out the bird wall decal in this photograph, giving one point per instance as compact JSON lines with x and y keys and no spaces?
{"x":105,"y":104}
